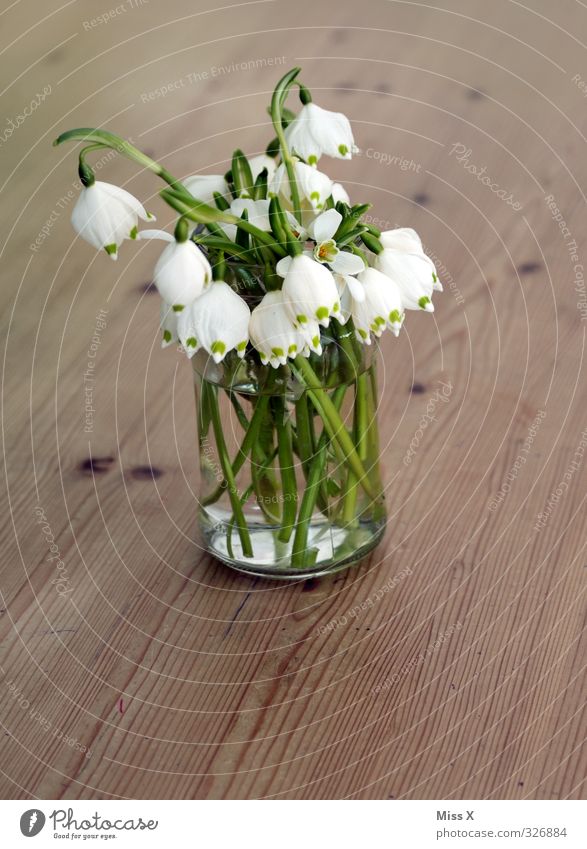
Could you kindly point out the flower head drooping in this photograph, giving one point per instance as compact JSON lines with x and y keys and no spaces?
{"x":273,"y":333}
{"x":106,"y":215}
{"x":405,"y":241}
{"x":316,"y":131}
{"x":182,"y":272}
{"x":309,"y":290}
{"x":263,"y":160}
{"x":204,"y":186}
{"x":412,"y":274}
{"x":168,"y":325}
{"x":381,"y":306}
{"x":218,"y":322}
{"x":314,"y":186}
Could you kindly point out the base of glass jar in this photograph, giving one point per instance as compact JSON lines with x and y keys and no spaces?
{"x":337,"y":547}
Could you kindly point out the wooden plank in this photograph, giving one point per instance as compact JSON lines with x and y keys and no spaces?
{"x":170,"y":676}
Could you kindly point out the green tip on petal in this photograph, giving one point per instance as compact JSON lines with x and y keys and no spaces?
{"x":395,"y":317}
{"x":362,"y":333}
{"x":241,"y":345}
{"x":301,"y":319}
{"x":293,"y":349}
{"x":111,"y":250}
{"x":218,"y":347}
{"x":134,"y":232}
{"x":343,"y":149}
{"x":315,"y":196}
{"x":167,"y":336}
{"x":425,"y":304}
{"x":312,"y":160}
{"x":192,"y":342}
{"x":321,"y":313}
{"x":278,"y":352}
{"x":379,"y":320}
{"x":315,"y":341}
{"x":177,"y":307}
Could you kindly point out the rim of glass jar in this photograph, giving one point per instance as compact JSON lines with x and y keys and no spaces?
{"x":232,"y":372}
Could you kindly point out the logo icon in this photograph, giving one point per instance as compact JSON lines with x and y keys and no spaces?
{"x":32,"y":822}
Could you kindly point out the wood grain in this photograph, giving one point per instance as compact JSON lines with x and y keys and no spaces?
{"x":449,"y":665}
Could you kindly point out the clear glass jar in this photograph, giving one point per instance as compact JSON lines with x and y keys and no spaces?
{"x":289,"y":458}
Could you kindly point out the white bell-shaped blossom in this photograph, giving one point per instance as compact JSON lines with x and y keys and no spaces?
{"x":218,"y":322}
{"x":313,"y":186}
{"x":182,"y":272}
{"x":105,"y":215}
{"x":309,"y":290}
{"x":263,"y":160}
{"x":412,"y":274}
{"x":316,"y":131}
{"x":203,"y":186}
{"x":381,"y":306}
{"x":406,"y":240}
{"x":273,"y":333}
{"x":339,"y":193}
{"x":168,"y":324}
{"x":322,"y":230}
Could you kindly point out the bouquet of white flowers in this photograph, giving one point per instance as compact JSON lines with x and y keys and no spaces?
{"x":279,"y":287}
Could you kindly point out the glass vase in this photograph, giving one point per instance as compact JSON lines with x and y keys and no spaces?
{"x":289,"y":458}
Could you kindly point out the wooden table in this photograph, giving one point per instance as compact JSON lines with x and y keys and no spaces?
{"x":135,"y":666}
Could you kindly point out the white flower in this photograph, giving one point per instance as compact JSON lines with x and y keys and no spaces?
{"x":381,"y":307}
{"x":106,"y":215}
{"x":406,"y":240}
{"x":316,"y":131}
{"x":313,"y":185}
{"x":203,"y":186}
{"x":257,"y":164}
{"x":182,"y":272}
{"x":218,"y":322}
{"x":322,"y":230}
{"x":168,"y":324}
{"x":413,"y":275}
{"x":309,"y":290}
{"x":339,"y":193}
{"x":274,"y":335}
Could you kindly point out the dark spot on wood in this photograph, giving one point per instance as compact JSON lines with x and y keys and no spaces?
{"x":475,"y":94}
{"x":339,"y":35}
{"x":422,"y":198}
{"x":520,"y":783}
{"x":529,"y":267}
{"x":146,"y":472}
{"x":95,"y":465}
{"x":417,"y":388}
{"x":147,"y":288}
{"x":310,"y":584}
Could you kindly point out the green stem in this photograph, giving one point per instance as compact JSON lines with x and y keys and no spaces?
{"x":300,"y":552}
{"x":341,"y":441}
{"x":227,"y":470}
{"x":288,"y":475}
{"x":277,"y":102}
{"x":107,"y":139}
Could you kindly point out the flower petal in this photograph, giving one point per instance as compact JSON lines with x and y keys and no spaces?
{"x":325,"y":225}
{"x":347,"y":263}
